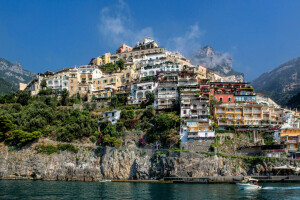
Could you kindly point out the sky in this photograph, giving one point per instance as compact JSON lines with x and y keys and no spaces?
{"x":51,"y":35}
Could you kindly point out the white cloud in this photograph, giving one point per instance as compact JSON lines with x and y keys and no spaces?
{"x":187,"y":43}
{"x":117,"y":26}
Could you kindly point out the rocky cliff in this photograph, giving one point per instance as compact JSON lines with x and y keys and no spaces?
{"x":220,"y":63}
{"x":13,"y":74}
{"x":96,"y":163}
{"x":281,"y":83}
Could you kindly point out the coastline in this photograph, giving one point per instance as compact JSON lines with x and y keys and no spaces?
{"x":186,"y":180}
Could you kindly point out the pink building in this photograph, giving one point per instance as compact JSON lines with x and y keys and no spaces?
{"x":124,"y":48}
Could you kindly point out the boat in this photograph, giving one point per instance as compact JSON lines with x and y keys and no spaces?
{"x":104,"y":181}
{"x":249,"y":184}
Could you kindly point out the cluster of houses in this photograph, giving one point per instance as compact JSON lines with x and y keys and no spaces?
{"x":206,"y":99}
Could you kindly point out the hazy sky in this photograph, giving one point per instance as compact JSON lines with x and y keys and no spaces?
{"x":50,"y":35}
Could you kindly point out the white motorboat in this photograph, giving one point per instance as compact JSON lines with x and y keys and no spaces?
{"x":249,"y":184}
{"x":104,"y":181}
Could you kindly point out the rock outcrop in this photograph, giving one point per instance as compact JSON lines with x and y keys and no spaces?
{"x":97,"y":163}
{"x":220,"y":63}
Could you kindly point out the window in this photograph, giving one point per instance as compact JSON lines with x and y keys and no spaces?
{"x":105,"y":94}
{"x":79,"y":88}
{"x":221,"y":99}
{"x":71,"y":88}
{"x":160,"y":50}
{"x":111,"y":80}
{"x":291,"y":146}
{"x":104,"y":81}
{"x":229,"y":99}
{"x":85,"y":89}
{"x":184,"y":112}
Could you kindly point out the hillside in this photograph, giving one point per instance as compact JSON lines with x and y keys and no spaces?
{"x":281,"y":83}
{"x":6,"y":87}
{"x":294,"y":102}
{"x":220,"y":63}
{"x":11,"y":74}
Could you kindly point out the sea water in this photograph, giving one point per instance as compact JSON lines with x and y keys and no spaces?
{"x":15,"y":189}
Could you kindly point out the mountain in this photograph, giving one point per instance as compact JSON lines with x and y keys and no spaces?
{"x":6,"y":87}
{"x":294,"y":102}
{"x":11,"y":74}
{"x":281,"y":83}
{"x":220,"y":63}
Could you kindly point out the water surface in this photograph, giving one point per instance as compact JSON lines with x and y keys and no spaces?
{"x":12,"y":189}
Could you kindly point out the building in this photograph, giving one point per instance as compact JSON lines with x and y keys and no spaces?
{"x":112,"y":116}
{"x":35,"y":84}
{"x":107,"y":80}
{"x":81,"y":79}
{"x":59,"y":80}
{"x":291,"y":138}
{"x":124,"y":48}
{"x":139,"y":92}
{"x":22,"y":86}
{"x":238,"y":114}
{"x":167,"y":93}
{"x":145,"y":47}
{"x":101,"y":60}
{"x":194,"y":114}
{"x":229,"y":92}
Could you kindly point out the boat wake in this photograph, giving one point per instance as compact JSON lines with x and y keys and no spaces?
{"x":281,"y":188}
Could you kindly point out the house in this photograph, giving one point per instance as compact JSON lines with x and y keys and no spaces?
{"x":238,"y":114}
{"x":167,"y":93}
{"x":194,"y":113}
{"x":291,"y":138}
{"x":139,"y":92}
{"x":112,"y":116}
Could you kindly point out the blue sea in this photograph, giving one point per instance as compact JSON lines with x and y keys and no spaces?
{"x":15,"y":189}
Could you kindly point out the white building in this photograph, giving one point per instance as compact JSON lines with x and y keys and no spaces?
{"x":139,"y":92}
{"x":59,"y":80}
{"x":112,"y":116}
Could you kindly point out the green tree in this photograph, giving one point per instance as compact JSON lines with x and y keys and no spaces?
{"x":149,"y":112}
{"x":20,"y":138}
{"x":64,"y":97}
{"x":120,"y":64}
{"x":150,"y":98}
{"x":5,"y":126}
{"x":127,"y":114}
{"x":23,"y":97}
{"x":43,"y":84}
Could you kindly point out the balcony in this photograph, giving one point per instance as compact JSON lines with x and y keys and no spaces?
{"x":292,"y":142}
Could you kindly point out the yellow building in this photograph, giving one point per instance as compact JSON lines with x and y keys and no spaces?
{"x":127,"y":76}
{"x":81,"y":79}
{"x":291,"y":138}
{"x":102,"y":60}
{"x":103,"y":82}
{"x":245,"y":114}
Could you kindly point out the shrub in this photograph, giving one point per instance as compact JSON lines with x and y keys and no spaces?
{"x":46,"y":149}
{"x":93,"y":139}
{"x":20,"y":138}
{"x":67,"y":147}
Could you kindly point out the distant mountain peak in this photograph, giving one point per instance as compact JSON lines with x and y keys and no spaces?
{"x":220,"y":63}
{"x":13,"y":73}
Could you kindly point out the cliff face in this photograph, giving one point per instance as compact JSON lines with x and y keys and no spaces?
{"x":280,"y":83}
{"x":92,"y":164}
{"x":220,"y":63}
{"x":12,"y":74}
